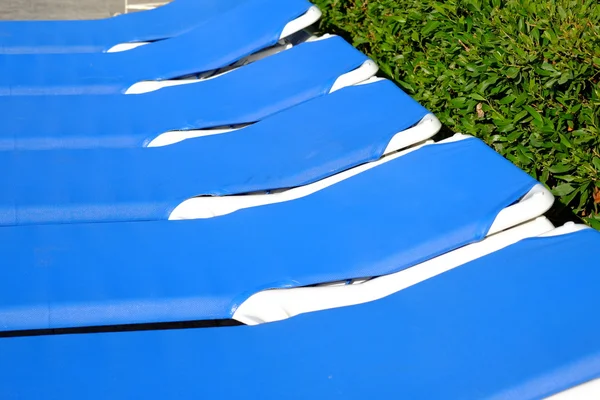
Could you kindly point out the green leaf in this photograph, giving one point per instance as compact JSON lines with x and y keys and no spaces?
{"x":566,"y":200}
{"x":512,"y":72}
{"x":520,"y":116}
{"x":563,"y":189}
{"x":429,"y":27}
{"x":536,"y":115}
{"x":594,"y":223}
{"x":565,"y":141}
{"x":548,"y":67}
{"x":564,"y":78}
{"x":386,"y":70}
{"x":560,"y":168}
{"x":561,"y":12}
{"x":507,"y":99}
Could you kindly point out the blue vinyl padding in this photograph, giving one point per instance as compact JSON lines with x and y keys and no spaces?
{"x":237,"y":34}
{"x":517,"y":324}
{"x":245,"y":95}
{"x":92,"y":36}
{"x":383,"y":220}
{"x":295,"y":147}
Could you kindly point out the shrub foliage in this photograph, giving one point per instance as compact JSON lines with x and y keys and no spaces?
{"x":520,"y":74}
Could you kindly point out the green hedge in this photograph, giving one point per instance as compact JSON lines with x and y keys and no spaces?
{"x":520,"y":74}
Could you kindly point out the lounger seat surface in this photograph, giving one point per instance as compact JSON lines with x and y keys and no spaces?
{"x":213,"y":45}
{"x":378,"y":222}
{"x":91,"y":36}
{"x":295,"y":147}
{"x":516,"y":324}
{"x":245,"y":95}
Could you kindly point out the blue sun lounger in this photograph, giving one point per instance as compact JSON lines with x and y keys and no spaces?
{"x":101,"y":35}
{"x":370,"y":224}
{"x":295,"y":147}
{"x":516,"y":324}
{"x":208,"y":47}
{"x":242,"y":96}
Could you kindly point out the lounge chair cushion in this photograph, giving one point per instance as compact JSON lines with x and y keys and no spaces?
{"x":295,"y":147}
{"x":517,"y":324}
{"x":208,"y":47}
{"x":383,"y":220}
{"x":245,"y":95}
{"x":94,"y":36}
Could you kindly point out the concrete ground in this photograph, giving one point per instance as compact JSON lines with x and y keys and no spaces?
{"x":66,"y":9}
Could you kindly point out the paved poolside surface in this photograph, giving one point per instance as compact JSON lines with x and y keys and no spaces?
{"x":63,"y":9}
